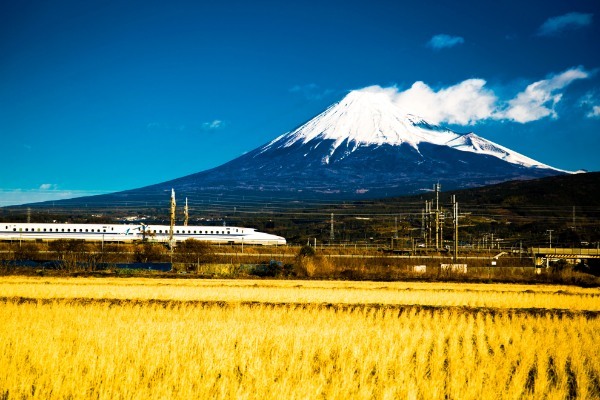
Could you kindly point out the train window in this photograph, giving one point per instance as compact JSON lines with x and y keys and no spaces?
{"x":103,"y":230}
{"x":26,"y":229}
{"x":14,"y":229}
{"x":177,"y":231}
{"x":81,"y":230}
{"x":86,"y":230}
{"x":44,"y":229}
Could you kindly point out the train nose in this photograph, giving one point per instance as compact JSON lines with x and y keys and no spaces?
{"x":280,"y":240}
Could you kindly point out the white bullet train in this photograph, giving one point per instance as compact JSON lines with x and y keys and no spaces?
{"x":135,"y":232}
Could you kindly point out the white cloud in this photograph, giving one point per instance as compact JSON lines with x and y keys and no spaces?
{"x":48,"y":186}
{"x":464,"y":103}
{"x":590,"y":101}
{"x":539,"y":98}
{"x":311,"y":91}
{"x":212,"y":125}
{"x":443,"y":41}
{"x":595,"y":113}
{"x":11,"y":197}
{"x":555,"y":25}
{"x":470,"y":101}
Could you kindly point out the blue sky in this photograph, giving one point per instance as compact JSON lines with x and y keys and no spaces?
{"x":99,"y":96}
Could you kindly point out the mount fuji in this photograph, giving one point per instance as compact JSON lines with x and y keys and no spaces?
{"x":364,"y":146}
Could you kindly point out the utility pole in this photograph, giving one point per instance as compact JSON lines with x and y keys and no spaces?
{"x":455,"y":212}
{"x":172,"y":225}
{"x":550,"y":239}
{"x":427,"y":223}
{"x":442,"y":221}
{"x":423,"y":235}
{"x":331,"y":233}
{"x":28,"y":215}
{"x":437,"y":188}
{"x":396,"y":227}
{"x":520,"y":249}
{"x":186,"y":213}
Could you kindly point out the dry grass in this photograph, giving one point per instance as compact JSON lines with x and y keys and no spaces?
{"x":68,"y":347}
{"x":317,"y":292}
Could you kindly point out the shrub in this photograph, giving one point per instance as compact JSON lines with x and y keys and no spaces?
{"x":148,"y":252}
{"x":27,"y":251}
{"x":306,"y":251}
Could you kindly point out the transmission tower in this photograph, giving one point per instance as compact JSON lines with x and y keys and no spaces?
{"x":455,"y":214}
{"x":331,"y":233}
{"x":437,"y":188}
{"x":172,"y":225}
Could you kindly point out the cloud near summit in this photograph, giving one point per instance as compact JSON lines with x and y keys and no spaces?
{"x":470,"y":101}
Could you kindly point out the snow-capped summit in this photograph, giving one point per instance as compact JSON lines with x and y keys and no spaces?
{"x":371,"y":118}
{"x":366,"y":118}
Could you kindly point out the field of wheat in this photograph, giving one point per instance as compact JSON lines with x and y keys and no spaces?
{"x":84,"y":338}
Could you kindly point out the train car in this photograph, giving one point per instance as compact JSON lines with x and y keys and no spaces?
{"x":135,"y":232}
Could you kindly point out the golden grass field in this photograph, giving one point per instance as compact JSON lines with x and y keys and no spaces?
{"x":141,"y":338}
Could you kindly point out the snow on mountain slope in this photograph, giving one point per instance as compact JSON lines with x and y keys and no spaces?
{"x":371,"y":118}
{"x":476,"y":144}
